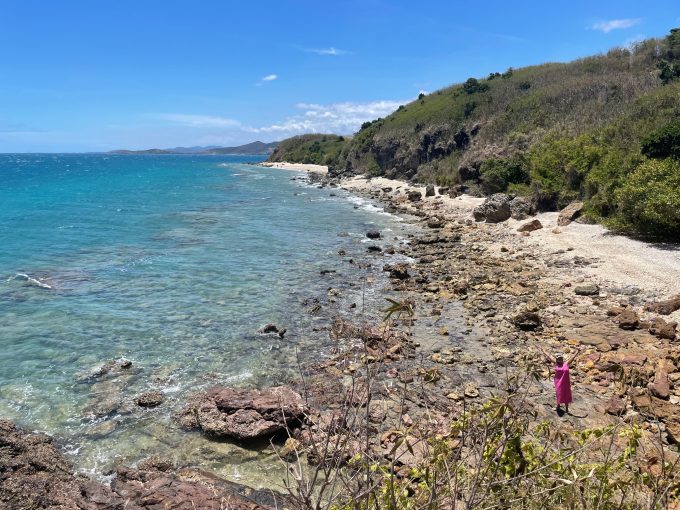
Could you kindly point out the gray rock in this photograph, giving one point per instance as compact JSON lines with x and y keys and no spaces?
{"x":495,"y":209}
{"x":521,"y":208}
{"x":589,"y":289}
{"x":429,"y":191}
{"x":414,"y":196}
{"x":373,"y":234}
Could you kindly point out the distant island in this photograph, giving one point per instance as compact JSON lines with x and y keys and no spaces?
{"x":249,"y":149}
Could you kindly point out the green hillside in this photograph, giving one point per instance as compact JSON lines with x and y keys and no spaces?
{"x":556,"y":131}
{"x":317,"y":149}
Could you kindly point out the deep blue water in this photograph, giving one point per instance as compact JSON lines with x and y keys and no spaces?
{"x":172,"y":262}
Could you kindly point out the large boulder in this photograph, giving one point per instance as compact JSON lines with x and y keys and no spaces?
{"x":244,"y":414}
{"x":522,"y":207}
{"x":494,"y":209}
{"x":429,"y":190}
{"x":569,"y":213}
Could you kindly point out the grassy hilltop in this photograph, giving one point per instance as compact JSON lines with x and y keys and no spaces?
{"x":604,"y":129}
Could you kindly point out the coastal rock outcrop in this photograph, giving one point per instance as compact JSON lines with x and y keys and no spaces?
{"x":494,"y":209}
{"x":244,"y":414}
{"x":34,"y":474}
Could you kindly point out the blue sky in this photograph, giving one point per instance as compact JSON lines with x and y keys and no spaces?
{"x":99,"y":75}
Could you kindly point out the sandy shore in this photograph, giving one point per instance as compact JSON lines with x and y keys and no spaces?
{"x":652,"y":268}
{"x":298,"y":167}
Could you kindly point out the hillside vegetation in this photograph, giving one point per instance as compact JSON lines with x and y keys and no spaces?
{"x":602,"y":129}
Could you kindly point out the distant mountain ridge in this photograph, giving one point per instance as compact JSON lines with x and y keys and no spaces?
{"x":249,"y":149}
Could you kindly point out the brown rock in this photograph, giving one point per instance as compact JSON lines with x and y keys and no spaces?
{"x":660,"y":387}
{"x":150,"y":399}
{"x":616,"y":406}
{"x":662,"y":329}
{"x":527,"y":321}
{"x":628,"y":319}
{"x":666,"y":307}
{"x":530,"y":226}
{"x":244,"y":414}
{"x":569,"y":213}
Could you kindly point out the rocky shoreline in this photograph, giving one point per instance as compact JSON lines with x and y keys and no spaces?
{"x":472,"y":300}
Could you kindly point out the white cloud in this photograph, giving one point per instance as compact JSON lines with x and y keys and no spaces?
{"x":327,"y":51}
{"x":616,"y":24}
{"x":270,"y":77}
{"x":341,"y":118}
{"x":199,"y":120}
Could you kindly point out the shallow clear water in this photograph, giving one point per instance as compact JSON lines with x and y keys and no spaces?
{"x":172,"y":262}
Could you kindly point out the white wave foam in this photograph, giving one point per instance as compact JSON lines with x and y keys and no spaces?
{"x":30,"y":280}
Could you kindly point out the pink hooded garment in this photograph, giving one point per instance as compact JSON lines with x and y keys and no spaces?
{"x":562,"y":384}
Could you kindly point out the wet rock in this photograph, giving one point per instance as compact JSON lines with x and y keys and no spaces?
{"x":34,"y":474}
{"x":150,"y":399}
{"x":414,"y":196}
{"x":429,"y":191}
{"x":244,"y":414}
{"x":662,"y":329}
{"x":666,"y":307}
{"x":373,"y":234}
{"x":530,"y":226}
{"x":527,"y":321}
{"x":188,"y":488}
{"x":291,"y":450}
{"x":269,"y":329}
{"x":569,"y":213}
{"x":398,"y":271}
{"x":373,"y":249}
{"x":590,"y":289}
{"x":495,"y":209}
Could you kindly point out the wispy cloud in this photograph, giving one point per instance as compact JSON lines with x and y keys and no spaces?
{"x":341,"y":118}
{"x":327,"y":51}
{"x":267,"y":79}
{"x":615,"y":24}
{"x":198,"y":120}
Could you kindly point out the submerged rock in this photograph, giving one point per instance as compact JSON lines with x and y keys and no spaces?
{"x":269,"y":329}
{"x":150,"y":399}
{"x":244,"y":414}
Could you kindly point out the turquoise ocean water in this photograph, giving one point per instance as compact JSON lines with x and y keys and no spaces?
{"x":172,"y":262}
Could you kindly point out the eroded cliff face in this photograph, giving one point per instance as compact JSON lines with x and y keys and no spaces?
{"x":407,"y":155}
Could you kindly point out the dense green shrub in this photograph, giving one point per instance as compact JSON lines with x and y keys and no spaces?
{"x":649,"y":199}
{"x":473,"y":85}
{"x":663,"y":143}
{"x":498,"y":174}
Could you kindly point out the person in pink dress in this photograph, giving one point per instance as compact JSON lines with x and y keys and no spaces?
{"x":562,"y":379}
